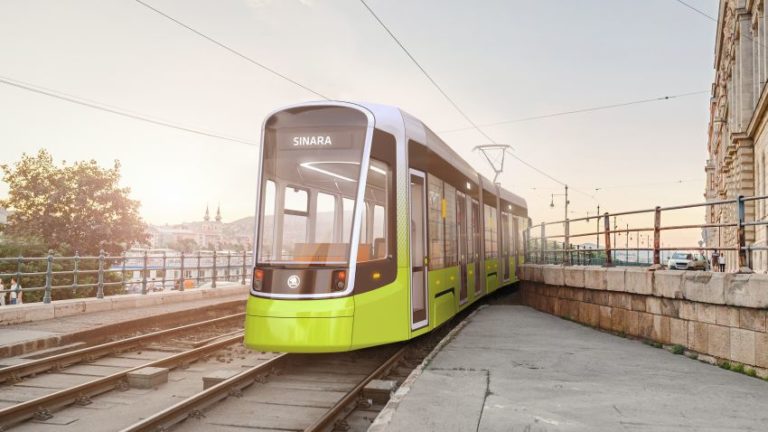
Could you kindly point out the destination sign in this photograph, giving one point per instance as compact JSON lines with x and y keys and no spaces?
{"x":292,"y":139}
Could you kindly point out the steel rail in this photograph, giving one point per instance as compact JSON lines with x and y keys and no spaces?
{"x":17,"y":413}
{"x":329,"y":417}
{"x":18,"y":371}
{"x":180,"y":411}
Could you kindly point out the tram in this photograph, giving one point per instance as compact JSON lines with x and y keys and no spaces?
{"x":370,"y":230}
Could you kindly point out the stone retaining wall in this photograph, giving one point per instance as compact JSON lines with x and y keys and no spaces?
{"x":722,"y":315}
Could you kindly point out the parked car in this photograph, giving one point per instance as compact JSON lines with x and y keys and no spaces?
{"x":687,"y":261}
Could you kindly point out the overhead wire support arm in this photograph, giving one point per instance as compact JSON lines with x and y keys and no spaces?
{"x":496,"y":164}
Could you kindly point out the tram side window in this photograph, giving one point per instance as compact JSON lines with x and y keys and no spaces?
{"x":451,"y":241}
{"x":435,"y":219}
{"x":373,"y":231}
{"x":268,"y":224}
{"x":491,"y":248}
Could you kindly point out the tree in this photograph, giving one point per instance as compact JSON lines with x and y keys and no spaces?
{"x":78,"y":207}
{"x":186,"y":245}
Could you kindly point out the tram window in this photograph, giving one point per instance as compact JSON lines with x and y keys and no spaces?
{"x":296,"y":200}
{"x":435,"y":218}
{"x":373,"y":231}
{"x":268,"y":224}
{"x":379,"y":249}
{"x":451,"y":242}
{"x":324,"y":218}
{"x":348,"y":206}
{"x":491,"y":247}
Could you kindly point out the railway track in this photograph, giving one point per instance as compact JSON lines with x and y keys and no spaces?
{"x":15,"y":373}
{"x":42,"y":407}
{"x":276,"y":369}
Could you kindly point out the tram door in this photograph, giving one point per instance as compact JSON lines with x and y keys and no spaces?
{"x":476,"y":239}
{"x":461,"y":220}
{"x":505,"y":245}
{"x":419,"y":267}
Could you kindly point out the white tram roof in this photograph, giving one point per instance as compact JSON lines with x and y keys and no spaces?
{"x":392,"y":119}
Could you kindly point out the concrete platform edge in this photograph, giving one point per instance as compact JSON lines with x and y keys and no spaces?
{"x":382,"y":420}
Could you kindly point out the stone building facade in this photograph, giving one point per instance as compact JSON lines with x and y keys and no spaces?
{"x":738,"y":142}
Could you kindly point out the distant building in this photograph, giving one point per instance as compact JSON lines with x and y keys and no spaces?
{"x":3,"y":216}
{"x":208,"y":234}
{"x":738,"y":140}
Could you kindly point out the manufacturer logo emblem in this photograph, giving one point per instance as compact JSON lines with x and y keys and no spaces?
{"x":294,"y":282}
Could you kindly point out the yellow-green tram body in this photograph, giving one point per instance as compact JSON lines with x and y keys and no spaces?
{"x":370,"y":230}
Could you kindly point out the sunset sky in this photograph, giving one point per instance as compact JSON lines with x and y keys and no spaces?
{"x":498,"y":60}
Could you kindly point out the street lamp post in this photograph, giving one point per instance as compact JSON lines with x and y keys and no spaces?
{"x":566,"y":252}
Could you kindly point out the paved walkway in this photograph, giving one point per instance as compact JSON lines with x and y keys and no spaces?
{"x":515,"y":369}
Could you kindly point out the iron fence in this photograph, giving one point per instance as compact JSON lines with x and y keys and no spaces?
{"x":738,"y":253}
{"x":54,"y":277}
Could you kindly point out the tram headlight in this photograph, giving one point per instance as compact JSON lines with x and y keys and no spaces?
{"x":339,"y":280}
{"x":258,"y":278}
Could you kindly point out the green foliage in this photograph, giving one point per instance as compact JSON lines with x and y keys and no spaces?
{"x":678,"y":349}
{"x":77,"y":207}
{"x":725,"y":365}
{"x":185,"y":245}
{"x":750,"y":372}
{"x":738,"y":367}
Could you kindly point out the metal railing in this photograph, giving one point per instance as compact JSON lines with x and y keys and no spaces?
{"x":738,"y":252}
{"x":54,"y":277}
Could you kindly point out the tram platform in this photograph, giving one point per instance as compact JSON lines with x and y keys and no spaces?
{"x":36,"y":326}
{"x":512,"y":368}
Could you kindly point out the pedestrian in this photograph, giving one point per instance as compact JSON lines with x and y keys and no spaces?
{"x":2,"y":293}
{"x":715,"y":261}
{"x":16,"y":293}
{"x":722,"y":264}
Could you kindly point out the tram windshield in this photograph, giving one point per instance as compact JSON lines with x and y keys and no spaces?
{"x":311,"y":172}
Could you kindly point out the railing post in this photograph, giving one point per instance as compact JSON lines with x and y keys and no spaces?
{"x":607,"y":230}
{"x":657,"y":237}
{"x":567,"y":244}
{"x":213,"y":281}
{"x":122,"y":276}
{"x":198,"y":267}
{"x":244,"y":267}
{"x":76,"y":261}
{"x":165,"y":270}
{"x":19,"y":263}
{"x":744,"y":265}
{"x":229,"y":269}
{"x":100,"y":289}
{"x":48,"y":278}
{"x":543,"y":245}
{"x":181,"y":279}
{"x":144,"y":274}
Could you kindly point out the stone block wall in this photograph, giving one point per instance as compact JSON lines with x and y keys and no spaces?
{"x":721,"y":315}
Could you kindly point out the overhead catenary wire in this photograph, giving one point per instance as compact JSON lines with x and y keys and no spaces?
{"x":118,"y":111}
{"x":426,"y":74}
{"x":582,"y":110}
{"x":230,"y":49}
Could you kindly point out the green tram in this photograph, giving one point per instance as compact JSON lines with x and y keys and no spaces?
{"x":370,"y":230}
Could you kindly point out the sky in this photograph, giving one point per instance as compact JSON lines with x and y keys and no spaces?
{"x":498,"y":60}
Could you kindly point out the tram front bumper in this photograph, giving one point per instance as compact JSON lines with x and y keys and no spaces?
{"x":301,"y":326}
